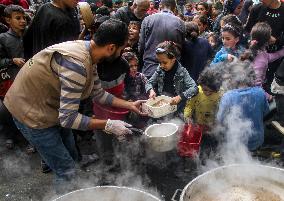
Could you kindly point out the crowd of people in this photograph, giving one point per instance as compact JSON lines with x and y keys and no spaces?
{"x":59,"y":75}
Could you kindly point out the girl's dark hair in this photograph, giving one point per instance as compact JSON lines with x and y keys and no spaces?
{"x":191,"y":31}
{"x":260,"y":35}
{"x":207,"y":7}
{"x":211,"y":78}
{"x":237,"y":74}
{"x":136,"y":23}
{"x":231,"y":19}
{"x":204,"y":4}
{"x":128,"y":56}
{"x":234,"y":29}
{"x":169,"y":48}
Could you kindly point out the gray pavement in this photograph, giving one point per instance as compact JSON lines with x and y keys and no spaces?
{"x":21,"y":178}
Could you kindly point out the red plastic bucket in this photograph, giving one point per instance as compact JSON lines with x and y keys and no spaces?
{"x":190,"y":141}
{"x":107,"y":112}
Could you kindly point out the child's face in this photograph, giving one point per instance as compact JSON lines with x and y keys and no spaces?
{"x":165,"y":62}
{"x":212,"y":41}
{"x":188,"y":7}
{"x":133,"y":64}
{"x":17,"y":21}
{"x":152,"y":5}
{"x":200,"y":25}
{"x":238,"y":10}
{"x":206,"y":90}
{"x":229,"y":40}
{"x":201,"y":10}
{"x":133,"y":31}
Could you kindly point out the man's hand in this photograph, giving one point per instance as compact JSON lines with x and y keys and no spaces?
{"x":19,"y":61}
{"x":137,"y":107}
{"x":175,"y":100}
{"x":118,"y":128}
{"x":152,"y":94}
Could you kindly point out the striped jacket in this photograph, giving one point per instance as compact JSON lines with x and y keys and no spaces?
{"x":49,"y":87}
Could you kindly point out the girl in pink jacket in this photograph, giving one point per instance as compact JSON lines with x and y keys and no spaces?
{"x":260,"y":37}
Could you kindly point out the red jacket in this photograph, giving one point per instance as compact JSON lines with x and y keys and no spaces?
{"x":22,"y":3}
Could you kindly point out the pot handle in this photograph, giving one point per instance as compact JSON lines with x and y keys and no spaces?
{"x":178,"y":191}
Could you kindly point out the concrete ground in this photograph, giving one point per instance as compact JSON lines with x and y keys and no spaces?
{"x":21,"y":178}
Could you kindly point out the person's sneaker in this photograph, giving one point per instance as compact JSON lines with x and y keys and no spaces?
{"x":44,"y":167}
{"x":278,"y":126}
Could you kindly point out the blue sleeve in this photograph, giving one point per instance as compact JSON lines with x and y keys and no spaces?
{"x":223,"y":109}
{"x":219,"y":57}
{"x":266,"y":105}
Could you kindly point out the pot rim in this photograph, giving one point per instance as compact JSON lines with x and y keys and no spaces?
{"x":115,"y":187}
{"x":146,"y":131}
{"x":226,"y":166}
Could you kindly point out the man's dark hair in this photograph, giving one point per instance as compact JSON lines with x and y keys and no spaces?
{"x":13,"y":8}
{"x":169,"y":4}
{"x":203,"y":19}
{"x":111,"y":31}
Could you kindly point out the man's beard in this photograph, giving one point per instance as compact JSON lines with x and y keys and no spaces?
{"x":111,"y":57}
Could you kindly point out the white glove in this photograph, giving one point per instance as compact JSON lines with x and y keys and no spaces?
{"x":118,"y":128}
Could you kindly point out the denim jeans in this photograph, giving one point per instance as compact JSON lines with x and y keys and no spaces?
{"x":57,"y":148}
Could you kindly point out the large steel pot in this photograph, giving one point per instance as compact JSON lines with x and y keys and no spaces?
{"x":237,"y":182}
{"x":108,"y":193}
{"x":161,"y":137}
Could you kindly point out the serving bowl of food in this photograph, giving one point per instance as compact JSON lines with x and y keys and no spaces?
{"x":159,"y":107}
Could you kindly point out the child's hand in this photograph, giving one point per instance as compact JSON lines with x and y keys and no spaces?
{"x":19,"y":61}
{"x":231,"y":57}
{"x":152,"y":94}
{"x":272,"y":40}
{"x":175,"y":100}
{"x":187,"y":120}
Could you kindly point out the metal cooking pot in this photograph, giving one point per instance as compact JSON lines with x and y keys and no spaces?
{"x":108,"y":193}
{"x":161,"y":137}
{"x":237,"y":179}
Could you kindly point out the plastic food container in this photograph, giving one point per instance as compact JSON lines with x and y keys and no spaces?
{"x":158,"y":107}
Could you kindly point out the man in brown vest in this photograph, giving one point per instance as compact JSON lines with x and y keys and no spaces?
{"x":45,"y":96}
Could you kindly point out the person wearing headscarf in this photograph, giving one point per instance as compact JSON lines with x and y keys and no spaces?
{"x":230,"y":7}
